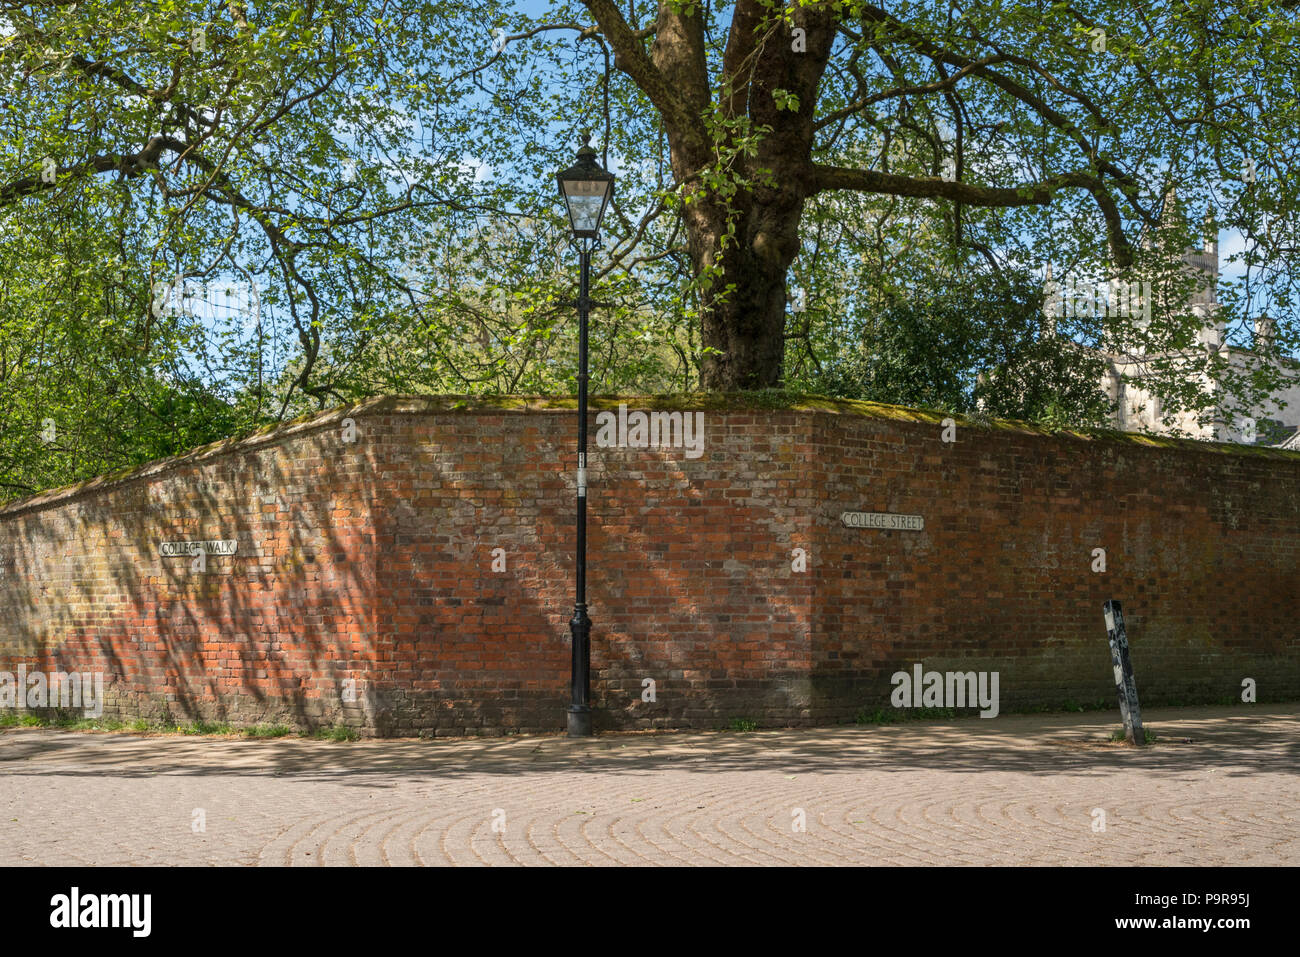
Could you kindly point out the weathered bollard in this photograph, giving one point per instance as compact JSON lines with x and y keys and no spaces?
{"x":1125,"y":686}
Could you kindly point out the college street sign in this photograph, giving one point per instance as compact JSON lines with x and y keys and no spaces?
{"x":890,"y":521}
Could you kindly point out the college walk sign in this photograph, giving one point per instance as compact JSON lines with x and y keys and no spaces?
{"x":187,"y":549}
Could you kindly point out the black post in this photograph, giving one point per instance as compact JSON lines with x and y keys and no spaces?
{"x":580,"y":624}
{"x":1125,"y":684}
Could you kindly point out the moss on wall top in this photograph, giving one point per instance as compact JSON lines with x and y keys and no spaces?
{"x":767,"y":400}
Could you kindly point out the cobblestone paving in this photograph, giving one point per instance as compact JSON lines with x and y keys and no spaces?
{"x":1013,"y":790}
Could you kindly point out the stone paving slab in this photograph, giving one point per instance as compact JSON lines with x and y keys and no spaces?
{"x":1221,"y":787}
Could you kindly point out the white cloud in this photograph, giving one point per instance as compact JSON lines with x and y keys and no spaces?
{"x":479,"y":170}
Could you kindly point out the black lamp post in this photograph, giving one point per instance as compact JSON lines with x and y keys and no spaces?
{"x":586,"y":189}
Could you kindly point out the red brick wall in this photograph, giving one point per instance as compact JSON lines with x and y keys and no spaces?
{"x":1202,"y":547}
{"x":371,"y":561}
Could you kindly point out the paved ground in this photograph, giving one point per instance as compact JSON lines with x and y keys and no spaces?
{"x":1013,"y":790}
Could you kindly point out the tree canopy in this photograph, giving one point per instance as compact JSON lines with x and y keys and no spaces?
{"x":220,"y":214}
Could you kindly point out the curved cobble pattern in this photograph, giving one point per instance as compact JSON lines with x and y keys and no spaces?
{"x":1219,"y":787}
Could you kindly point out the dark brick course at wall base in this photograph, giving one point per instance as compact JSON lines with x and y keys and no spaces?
{"x":419,"y":579}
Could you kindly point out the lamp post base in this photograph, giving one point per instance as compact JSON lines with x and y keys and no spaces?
{"x":579,"y":722}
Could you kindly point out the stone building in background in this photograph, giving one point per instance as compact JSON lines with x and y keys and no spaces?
{"x":1274,"y":422}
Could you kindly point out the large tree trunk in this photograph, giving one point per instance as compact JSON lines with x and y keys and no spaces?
{"x":743,"y":307}
{"x":743,"y":310}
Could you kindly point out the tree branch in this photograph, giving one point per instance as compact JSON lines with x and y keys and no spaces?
{"x":631,"y":58}
{"x":1035,"y":194}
